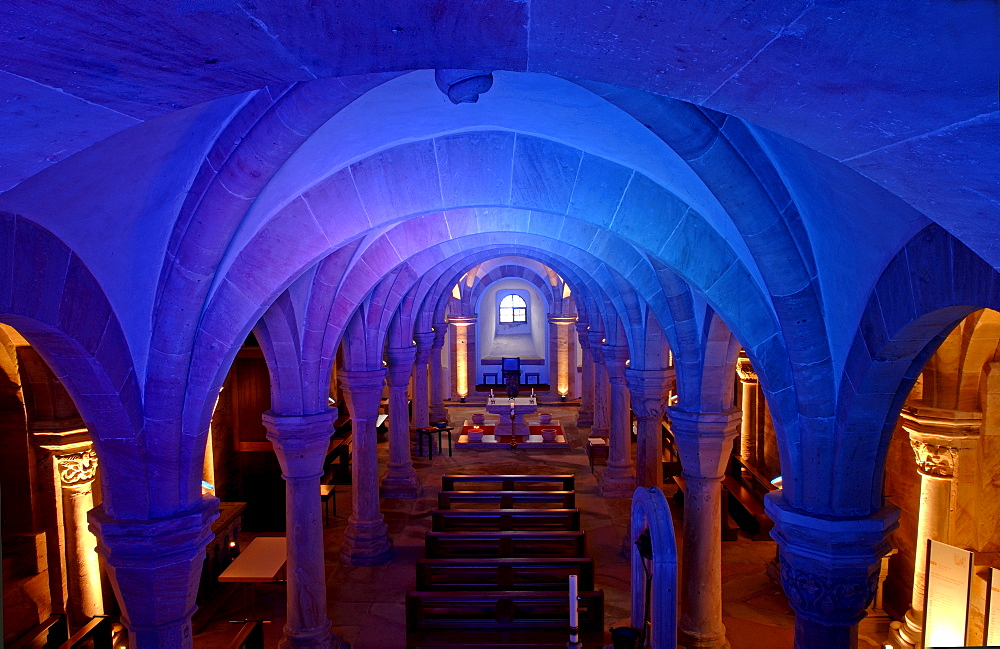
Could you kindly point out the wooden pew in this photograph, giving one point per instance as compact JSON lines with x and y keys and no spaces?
{"x":747,"y":508}
{"x":503,"y":574}
{"x":507,"y":499}
{"x":502,"y":520}
{"x":495,"y":619}
{"x":495,"y":545}
{"x":565,"y":482}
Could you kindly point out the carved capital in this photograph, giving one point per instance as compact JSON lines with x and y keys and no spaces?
{"x":935,"y":460}
{"x":440,"y":329}
{"x":835,"y":597}
{"x":77,"y":469}
{"x":648,"y":392}
{"x":745,"y":370}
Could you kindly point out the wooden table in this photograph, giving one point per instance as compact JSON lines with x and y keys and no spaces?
{"x":262,"y":561}
{"x":429,"y":431}
{"x":328,"y":492}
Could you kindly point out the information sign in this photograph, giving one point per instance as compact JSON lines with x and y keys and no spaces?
{"x":946,"y":595}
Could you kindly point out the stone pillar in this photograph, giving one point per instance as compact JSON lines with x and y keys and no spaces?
{"x":560,"y":378}
{"x":438,"y":411}
{"x":83,"y":576}
{"x":366,"y":541}
{"x":748,"y":429}
{"x":944,"y":442}
{"x":618,"y":479}
{"x":155,"y":567}
{"x":301,"y":442}
{"x":585,"y":417}
{"x":601,"y":427}
{"x":704,"y":441}
{"x":829,"y":570}
{"x":400,"y":480}
{"x":421,"y":395}
{"x":74,"y":464}
{"x":463,"y":333}
{"x":648,"y":392}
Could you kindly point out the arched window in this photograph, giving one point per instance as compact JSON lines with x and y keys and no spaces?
{"x":513,"y":309}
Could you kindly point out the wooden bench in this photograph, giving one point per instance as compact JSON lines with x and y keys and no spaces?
{"x":502,"y":520}
{"x":507,"y":499}
{"x":503,"y":574}
{"x":525,"y":482}
{"x":500,"y":618}
{"x":747,"y":508}
{"x":490,"y":545}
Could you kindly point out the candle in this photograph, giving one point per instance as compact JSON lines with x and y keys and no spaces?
{"x":573,"y":613}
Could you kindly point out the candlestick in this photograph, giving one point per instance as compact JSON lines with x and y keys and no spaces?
{"x":574,"y":614}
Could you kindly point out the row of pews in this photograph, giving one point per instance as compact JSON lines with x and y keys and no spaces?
{"x":497,"y":566}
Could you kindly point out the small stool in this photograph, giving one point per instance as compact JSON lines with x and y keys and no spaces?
{"x":328,"y":492}
{"x":429,"y":432}
{"x":597,"y":448}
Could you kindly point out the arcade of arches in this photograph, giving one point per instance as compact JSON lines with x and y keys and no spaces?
{"x":227,"y":230}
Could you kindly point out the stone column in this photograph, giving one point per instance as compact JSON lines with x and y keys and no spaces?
{"x":829,"y":569}
{"x":618,"y":479}
{"x":560,"y":379}
{"x":301,"y":442}
{"x":400,"y":480}
{"x":366,"y":541}
{"x":155,"y":567}
{"x":464,"y":371}
{"x":438,"y":411}
{"x":648,"y":392}
{"x":585,"y":417}
{"x":704,"y":441}
{"x":601,"y":385}
{"x":421,"y":396}
{"x":748,"y":429}
{"x":74,"y":464}
{"x":944,"y":442}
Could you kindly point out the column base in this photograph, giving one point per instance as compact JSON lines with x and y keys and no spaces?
{"x":401,"y":484}
{"x":439,"y":413}
{"x":908,"y":633}
{"x":321,"y":639}
{"x":585,"y":417}
{"x":600,"y":432}
{"x":692,"y":641}
{"x":366,"y":544}
{"x":617,"y":482}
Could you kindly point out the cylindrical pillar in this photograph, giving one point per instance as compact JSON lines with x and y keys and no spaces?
{"x":602,"y":387}
{"x":301,"y":442}
{"x":829,"y":569}
{"x":942,"y":441}
{"x":585,"y":417}
{"x":366,"y":541}
{"x":618,"y":479}
{"x":421,"y":393}
{"x":704,"y":441}
{"x":400,"y":480}
{"x":748,"y":429}
{"x":155,"y":566}
{"x":438,"y":411}
{"x":560,"y":379}
{"x":463,"y":332}
{"x":648,"y":393}
{"x":83,"y":579}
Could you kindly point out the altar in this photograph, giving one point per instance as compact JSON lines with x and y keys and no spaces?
{"x":518,"y":407}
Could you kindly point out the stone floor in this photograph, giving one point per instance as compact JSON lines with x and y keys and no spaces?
{"x":366,"y":603}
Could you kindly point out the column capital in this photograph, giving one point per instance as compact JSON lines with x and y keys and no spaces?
{"x":300,"y":441}
{"x":424,"y":340}
{"x":582,"y":326}
{"x":939,"y":436}
{"x":596,"y":339}
{"x":363,"y":391}
{"x":615,"y":357}
{"x":704,"y":439}
{"x":648,"y":392}
{"x":440,"y":329}
{"x":463,"y":320}
{"x":829,"y":567}
{"x":745,"y":370}
{"x":400,"y":361}
{"x":562,"y":319}
{"x":155,"y":565}
{"x":77,"y":469}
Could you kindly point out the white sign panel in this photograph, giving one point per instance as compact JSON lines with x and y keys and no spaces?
{"x":946,"y":596}
{"x":993,"y":609}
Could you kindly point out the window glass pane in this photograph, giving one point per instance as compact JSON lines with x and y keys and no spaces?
{"x":506,"y":315}
{"x":519,"y":315}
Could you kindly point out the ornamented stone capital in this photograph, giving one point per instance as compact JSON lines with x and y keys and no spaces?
{"x":440,"y":329}
{"x":425,"y":341}
{"x":648,"y":392}
{"x":704,"y":440}
{"x":935,"y":460}
{"x":300,"y":441}
{"x":363,"y":391}
{"x":615,"y":357}
{"x":77,"y":469}
{"x":745,"y":370}
{"x":400,"y":361}
{"x":829,"y":567}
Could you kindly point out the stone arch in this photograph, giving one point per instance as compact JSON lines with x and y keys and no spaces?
{"x":51,"y":298}
{"x":650,"y":511}
{"x":914,"y":304}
